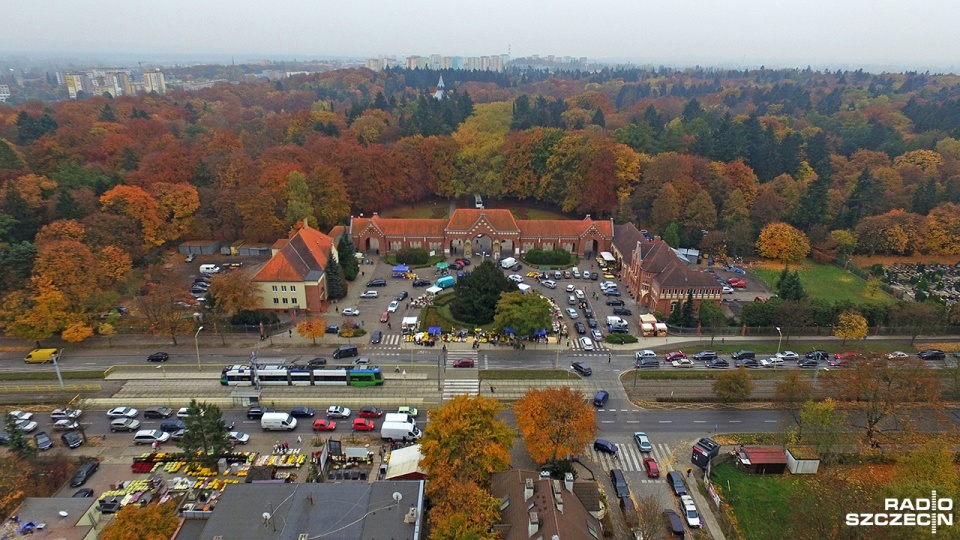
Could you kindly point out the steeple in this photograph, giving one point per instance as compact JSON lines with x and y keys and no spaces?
{"x":439,"y":93}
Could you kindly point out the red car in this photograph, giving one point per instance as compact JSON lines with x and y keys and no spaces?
{"x":324,"y":425}
{"x":369,"y":411}
{"x":362,"y":424}
{"x":385,"y":316}
{"x":463,"y":362}
{"x":650,"y":465}
{"x":738,"y":283}
{"x":847,"y":356}
{"x":675,"y":355}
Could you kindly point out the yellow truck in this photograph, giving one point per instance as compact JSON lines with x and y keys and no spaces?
{"x":41,"y":356}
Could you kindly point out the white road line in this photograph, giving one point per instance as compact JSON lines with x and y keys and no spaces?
{"x":665,"y":421}
{"x":699,"y":421}
{"x":606,"y":421}
{"x":735,"y":421}
{"x":771,"y":421}
{"x":633,"y":421}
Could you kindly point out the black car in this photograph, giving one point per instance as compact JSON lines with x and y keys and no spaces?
{"x":84,"y":473}
{"x":718,"y":363}
{"x":932,"y":354}
{"x":594,"y":276}
{"x":622,"y":311}
{"x":591,"y":322}
{"x":301,"y":412}
{"x":317,"y":362}
{"x":749,"y":363}
{"x":581,"y":329}
{"x":376,"y":337}
{"x":582,"y":369}
{"x":43,"y":441}
{"x":333,"y":329}
{"x":172,"y":425}
{"x":705,"y":356}
{"x":402,"y":295}
{"x":648,"y":363}
{"x":517,"y":267}
{"x":158,"y":412}
{"x":455,"y":266}
{"x":605,"y":446}
{"x":674,"y":524}
{"x":377,"y":283}
{"x":587,"y":312}
{"x":676,"y":483}
{"x":611,"y":292}
{"x":615,"y":302}
{"x":818,"y":354}
{"x":71,"y":439}
{"x":158,"y":357}
{"x":743,"y":354}
{"x":809,"y":363}
{"x":4,"y":438}
{"x":421,"y":283}
{"x":256,"y":412}
{"x":83,"y":493}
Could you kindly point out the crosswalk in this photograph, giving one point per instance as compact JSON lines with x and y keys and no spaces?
{"x":629,"y":458}
{"x":461,"y":381}
{"x":395,"y":342}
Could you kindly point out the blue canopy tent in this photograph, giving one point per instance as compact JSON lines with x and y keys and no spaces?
{"x":509,"y":331}
{"x":542,"y":332}
{"x":400,"y":270}
{"x":434,"y":330}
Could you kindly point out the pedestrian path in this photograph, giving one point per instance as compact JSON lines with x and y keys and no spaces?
{"x":389,"y":341}
{"x":461,"y":381}
{"x":629,"y":458}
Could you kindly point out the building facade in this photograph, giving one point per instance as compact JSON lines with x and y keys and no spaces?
{"x":660,"y":280}
{"x":295,"y":279}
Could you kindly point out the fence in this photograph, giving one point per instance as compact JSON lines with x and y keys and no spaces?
{"x":247,"y":329}
{"x":771,"y":331}
{"x":865,"y":275}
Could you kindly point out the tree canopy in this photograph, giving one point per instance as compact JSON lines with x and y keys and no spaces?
{"x":555,"y":422}
{"x":477,"y":294}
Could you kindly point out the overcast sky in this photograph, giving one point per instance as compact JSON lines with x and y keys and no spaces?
{"x":902,"y":34}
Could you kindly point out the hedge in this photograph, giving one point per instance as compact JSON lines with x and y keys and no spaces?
{"x":556,"y":257}
{"x":413,"y":256}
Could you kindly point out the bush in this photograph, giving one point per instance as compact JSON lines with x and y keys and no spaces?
{"x":253,"y":318}
{"x":413,"y":256}
{"x":556,"y":257}
{"x":620,"y":339}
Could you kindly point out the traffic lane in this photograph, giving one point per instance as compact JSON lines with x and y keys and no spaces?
{"x":627,"y":420}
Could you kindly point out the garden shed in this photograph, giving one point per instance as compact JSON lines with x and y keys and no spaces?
{"x":802,"y":460}
{"x":199,"y":247}
{"x":762,"y":460}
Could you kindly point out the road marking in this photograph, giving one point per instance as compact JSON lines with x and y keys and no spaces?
{"x":624,"y":410}
{"x":734,"y":421}
{"x":665,"y":422}
{"x":633,"y":421}
{"x":771,"y":421}
{"x":699,"y":421}
{"x":606,"y":421}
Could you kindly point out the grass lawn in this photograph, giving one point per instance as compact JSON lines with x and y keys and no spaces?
{"x":823,"y":281}
{"x":759,"y":502}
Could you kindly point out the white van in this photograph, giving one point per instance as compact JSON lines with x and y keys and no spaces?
{"x":400,"y":418}
{"x":477,"y":201}
{"x":399,"y":431}
{"x":278,"y":421}
{"x":209,"y":268}
{"x":150,"y":436}
{"x":508,"y":262}
{"x":576,"y":272}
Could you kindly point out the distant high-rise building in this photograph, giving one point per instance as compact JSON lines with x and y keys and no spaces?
{"x":74,"y":85}
{"x":4,"y":93}
{"x":153,"y":81}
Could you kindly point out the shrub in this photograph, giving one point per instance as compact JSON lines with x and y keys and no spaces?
{"x":413,"y":256}
{"x":556,"y":257}
{"x":252,"y":318}
{"x":620,"y":339}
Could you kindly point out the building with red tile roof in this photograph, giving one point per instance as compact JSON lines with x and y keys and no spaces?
{"x":470,"y":231}
{"x":536,"y":507}
{"x":294,"y":278}
{"x":660,"y":280}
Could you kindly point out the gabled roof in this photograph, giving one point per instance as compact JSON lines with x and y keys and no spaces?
{"x":677,"y":275}
{"x":515,"y":517}
{"x":397,"y":226}
{"x":564,"y":227}
{"x":301,"y":258}
{"x":465,"y":218}
{"x":765,"y":455}
{"x":656,"y":257}
{"x":625,"y":238}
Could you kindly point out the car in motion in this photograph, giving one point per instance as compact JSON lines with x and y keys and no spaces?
{"x":336,"y":411}
{"x":123,"y":412}
{"x":376,"y":337}
{"x":369,"y":411}
{"x":572,"y":313}
{"x":650,"y":465}
{"x":379,"y":282}
{"x":463,"y":363}
{"x":932,"y":354}
{"x":363,"y":424}
{"x":238,"y":437}
{"x":605,"y":446}
{"x":65,"y":425}
{"x":370,"y":294}
{"x":301,"y":411}
{"x":65,"y":414}
{"x":682,"y":362}
{"x":394,"y":305}
{"x":322,"y":424}
{"x":896,"y":355}
{"x":158,"y":357}
{"x":256,"y":412}
{"x":671,"y":356}
{"x":385,"y":316}
{"x":581,"y":329}
{"x":582,"y":369}
{"x":350,"y":312}
{"x":408,"y":410}
{"x":643,"y":442}
{"x":788,"y":355}
{"x":124,"y":424}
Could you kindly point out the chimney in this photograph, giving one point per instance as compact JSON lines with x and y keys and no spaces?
{"x":306,"y":222}
{"x":533,"y":525}
{"x":559,"y":502}
{"x":375,"y":215}
{"x":528,"y":489}
{"x":568,"y":481}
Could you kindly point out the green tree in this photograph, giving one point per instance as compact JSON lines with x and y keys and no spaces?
{"x":477,"y":294}
{"x":822,"y":427}
{"x":927,"y":468}
{"x":711,"y":318}
{"x":525,"y":313}
{"x":346,"y":252}
{"x":299,"y":200}
{"x":791,"y":393}
{"x":866,"y":197}
{"x":789,"y":286}
{"x":671,"y":235}
{"x":336,"y":286}
{"x":19,"y":444}
{"x":206,"y":434}
{"x":733,"y":386}
{"x":683,"y":314}
{"x":700,"y":213}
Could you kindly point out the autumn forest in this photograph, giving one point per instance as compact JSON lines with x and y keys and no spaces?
{"x":92,"y":188}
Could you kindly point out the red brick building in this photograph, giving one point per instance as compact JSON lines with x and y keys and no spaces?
{"x":660,"y":280}
{"x":295,"y":276}
{"x":479,"y":231}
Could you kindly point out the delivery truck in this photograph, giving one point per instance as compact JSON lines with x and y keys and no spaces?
{"x":399,"y":431}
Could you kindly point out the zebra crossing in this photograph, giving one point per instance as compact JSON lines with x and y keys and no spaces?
{"x":461,"y":381}
{"x":629,"y":458}
{"x":389,"y":341}
{"x":395,"y":342}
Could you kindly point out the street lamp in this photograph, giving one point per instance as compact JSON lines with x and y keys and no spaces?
{"x":56,"y":366}
{"x":196,"y":342}
{"x":166,"y":388}
{"x":779,"y":341}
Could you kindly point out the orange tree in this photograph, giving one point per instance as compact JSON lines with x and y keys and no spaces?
{"x":312,"y":328}
{"x":151,"y":522}
{"x":554,"y":422}
{"x":782,"y":242}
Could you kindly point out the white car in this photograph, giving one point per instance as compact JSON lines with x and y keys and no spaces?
{"x":65,"y":414}
{"x":549,"y":283}
{"x":690,"y":511}
{"x":21,"y":415}
{"x":124,"y":424}
{"x":571,"y":288}
{"x":682,"y":363}
{"x":897,"y":354}
{"x":336,"y":411}
{"x":392,"y":308}
{"x":788,"y":355}
{"x":239,"y":436}
{"x":727,"y":289}
{"x":27,"y":425}
{"x":579,"y":294}
{"x":646,"y":353}
{"x":572,"y":313}
{"x":607,"y":284}
{"x":65,"y":425}
{"x":183,"y":412}
{"x":586,"y":343}
{"x":771,"y":362}
{"x":350,"y":312}
{"x":597,"y":335}
{"x":370,"y":294}
{"x":516,"y":278}
{"x":150,"y":436}
{"x":123,"y":412}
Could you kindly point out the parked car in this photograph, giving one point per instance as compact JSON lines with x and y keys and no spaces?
{"x":897,"y":355}
{"x":43,"y":441}
{"x":158,"y":357}
{"x":611,"y":292}
{"x":238,"y":437}
{"x":690,"y":511}
{"x":71,"y":439}
{"x":65,"y":425}
{"x":650,"y":465}
{"x":85,"y":493}
{"x":605,"y":446}
{"x":422,"y":283}
{"x":394,"y":305}
{"x":402,"y":295}
{"x":301,"y":412}
{"x":643,"y":442}
{"x":362,"y":424}
{"x":727,"y":289}
{"x":123,"y":412}
{"x":463,"y":362}
{"x":369,"y":294}
{"x":377,"y":283}
{"x":21,"y":415}
{"x":350,"y":312}
{"x":622,"y":311}
{"x":615,"y":302}
{"x":333,"y":329}
{"x":316,"y":362}
{"x":150,"y":436}
{"x":788,"y":355}
{"x":27,"y":426}
{"x":369,"y":411}
{"x":84,"y":472}
{"x":591,"y":322}
{"x":336,"y":411}
{"x":675,"y":481}
{"x":158,"y":412}
{"x":932,"y":354}
{"x":322,"y":424}
{"x":682,"y":362}
{"x":582,"y":369}
{"x":65,"y":414}
{"x":124,"y":424}
{"x":183,"y":412}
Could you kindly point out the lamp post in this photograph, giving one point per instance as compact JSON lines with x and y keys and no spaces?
{"x":779,"y":341}
{"x":56,"y":366}
{"x":196,"y":343}
{"x":166,"y":389}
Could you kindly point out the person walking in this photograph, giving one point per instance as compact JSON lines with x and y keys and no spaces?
{"x":689,"y":470}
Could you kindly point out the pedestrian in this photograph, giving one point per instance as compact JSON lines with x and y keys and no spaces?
{"x":299,"y":440}
{"x":492,"y":389}
{"x":362,"y":273}
{"x":689,"y":470}
{"x":389,"y":327}
{"x":290,"y":332}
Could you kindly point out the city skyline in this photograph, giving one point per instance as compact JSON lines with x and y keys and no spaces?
{"x":893,"y":34}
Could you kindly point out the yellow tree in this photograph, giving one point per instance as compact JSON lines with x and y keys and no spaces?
{"x":76,"y":331}
{"x":943,"y":230}
{"x":108,"y":331}
{"x":850,"y":325}
{"x":733,"y":385}
{"x":466,"y":513}
{"x":782,"y":242}
{"x":176,"y":205}
{"x":151,"y":522}
{"x":312,"y":328}
{"x":36,"y":317}
{"x":136,"y":203}
{"x":230,"y":293}
{"x":554,"y":422}
{"x":115,"y":264}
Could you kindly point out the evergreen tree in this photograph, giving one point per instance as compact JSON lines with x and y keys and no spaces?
{"x":206,"y":434}
{"x":107,"y":114}
{"x":380,"y":102}
{"x":598,"y":119}
{"x":811,"y":206}
{"x":477,"y":294}
{"x":671,"y":235}
{"x":818,"y":154}
{"x":926,"y":197}
{"x":336,"y":286}
{"x":862,"y":201}
{"x":18,"y":444}
{"x":686,"y":313}
{"x":347,"y":252}
{"x":789,"y":286}
{"x":26,"y":225}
